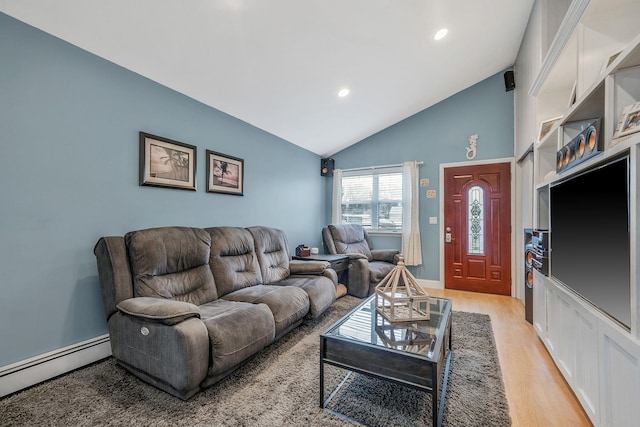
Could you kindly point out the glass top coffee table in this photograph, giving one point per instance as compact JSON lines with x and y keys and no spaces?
{"x":415,"y":354}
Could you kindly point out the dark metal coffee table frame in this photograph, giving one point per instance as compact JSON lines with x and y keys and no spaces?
{"x":421,"y":372}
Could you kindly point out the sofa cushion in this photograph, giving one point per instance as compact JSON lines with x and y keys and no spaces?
{"x":171,"y":263}
{"x":350,"y":238}
{"x":233,"y":259}
{"x":321,"y":291}
{"x":378,"y":270}
{"x":288,"y":304}
{"x":273,"y":253}
{"x":237,"y":330}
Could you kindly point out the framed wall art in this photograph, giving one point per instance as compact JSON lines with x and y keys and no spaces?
{"x":629,"y":121}
{"x":572,"y":95}
{"x":225,"y":174}
{"x":167,"y":163}
{"x":546,"y":126}
{"x":609,"y":61}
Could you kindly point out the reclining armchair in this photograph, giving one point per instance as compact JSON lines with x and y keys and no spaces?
{"x":367,"y":266}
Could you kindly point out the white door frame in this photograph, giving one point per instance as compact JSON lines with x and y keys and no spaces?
{"x":512,"y":164}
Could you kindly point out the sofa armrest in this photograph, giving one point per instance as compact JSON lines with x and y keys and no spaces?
{"x":387,"y":255}
{"x":331,"y":274}
{"x":358,"y":277}
{"x":174,"y":358}
{"x":308,"y":267}
{"x":159,"y":310}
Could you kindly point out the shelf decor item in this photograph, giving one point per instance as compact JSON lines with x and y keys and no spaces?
{"x":167,"y":163}
{"x":629,"y":121}
{"x":225,"y":174}
{"x":399,"y":298}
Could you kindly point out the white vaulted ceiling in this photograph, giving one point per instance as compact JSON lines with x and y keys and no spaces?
{"x":279,"y":64}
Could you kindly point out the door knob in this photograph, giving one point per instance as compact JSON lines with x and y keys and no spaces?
{"x":448,"y":236}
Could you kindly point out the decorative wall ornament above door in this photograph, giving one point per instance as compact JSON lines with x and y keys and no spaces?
{"x":471,"y":149}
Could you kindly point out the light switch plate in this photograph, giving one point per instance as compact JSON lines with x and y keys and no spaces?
{"x":433,"y":220}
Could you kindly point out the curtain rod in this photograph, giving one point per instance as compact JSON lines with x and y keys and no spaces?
{"x":376,"y":167}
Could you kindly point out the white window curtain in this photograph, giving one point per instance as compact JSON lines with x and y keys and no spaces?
{"x":336,"y":211}
{"x":411,"y":247}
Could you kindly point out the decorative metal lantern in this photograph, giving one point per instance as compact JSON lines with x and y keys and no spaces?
{"x":399,"y":298}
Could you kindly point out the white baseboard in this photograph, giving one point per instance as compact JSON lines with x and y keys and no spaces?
{"x":26,"y":373}
{"x":433,"y":284}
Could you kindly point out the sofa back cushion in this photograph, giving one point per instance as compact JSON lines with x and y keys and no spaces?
{"x":350,"y":239}
{"x":171,"y":263}
{"x":272,"y":250}
{"x":233,"y":259}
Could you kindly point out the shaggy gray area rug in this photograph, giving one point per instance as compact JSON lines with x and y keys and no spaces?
{"x":277,"y":387}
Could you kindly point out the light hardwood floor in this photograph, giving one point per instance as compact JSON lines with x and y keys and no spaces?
{"x":537,"y":393}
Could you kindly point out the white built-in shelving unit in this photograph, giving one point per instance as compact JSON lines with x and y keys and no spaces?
{"x":599,"y":358}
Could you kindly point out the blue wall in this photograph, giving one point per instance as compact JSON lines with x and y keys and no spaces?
{"x":69,"y":124}
{"x":438,"y":135}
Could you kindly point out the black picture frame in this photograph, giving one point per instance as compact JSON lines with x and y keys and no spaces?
{"x":167,"y":163}
{"x":225,"y":174}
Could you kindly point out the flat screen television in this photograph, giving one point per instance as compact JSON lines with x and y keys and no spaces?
{"x":589,"y":243}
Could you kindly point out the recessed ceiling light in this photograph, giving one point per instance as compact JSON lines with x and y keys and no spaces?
{"x":441,"y":33}
{"x":343,"y":92}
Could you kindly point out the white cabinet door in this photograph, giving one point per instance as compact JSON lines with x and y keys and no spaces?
{"x":540,"y":305}
{"x":586,"y":376}
{"x":561,"y":329}
{"x":619,"y":376}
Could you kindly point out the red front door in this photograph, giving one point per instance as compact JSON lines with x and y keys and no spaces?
{"x":477,"y":223}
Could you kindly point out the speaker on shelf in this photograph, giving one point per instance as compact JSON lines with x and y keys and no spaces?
{"x":566,"y":156}
{"x":585,"y":145}
{"x":528,"y":274}
{"x":528,"y":268}
{"x":509,"y":81}
{"x":327,"y":166}
{"x":528,"y":256}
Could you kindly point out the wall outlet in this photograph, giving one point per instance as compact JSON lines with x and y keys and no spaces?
{"x":431,"y":194}
{"x":424,"y":182}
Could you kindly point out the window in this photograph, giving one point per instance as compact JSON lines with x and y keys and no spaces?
{"x":373,"y":198}
{"x":475,"y":202}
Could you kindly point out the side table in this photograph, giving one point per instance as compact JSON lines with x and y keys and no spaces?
{"x":339,"y":263}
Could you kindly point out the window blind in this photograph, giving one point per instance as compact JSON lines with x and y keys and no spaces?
{"x":373,"y":198}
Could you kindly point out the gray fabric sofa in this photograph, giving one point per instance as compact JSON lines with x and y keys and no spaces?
{"x":187,"y":306}
{"x":367,"y":266}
